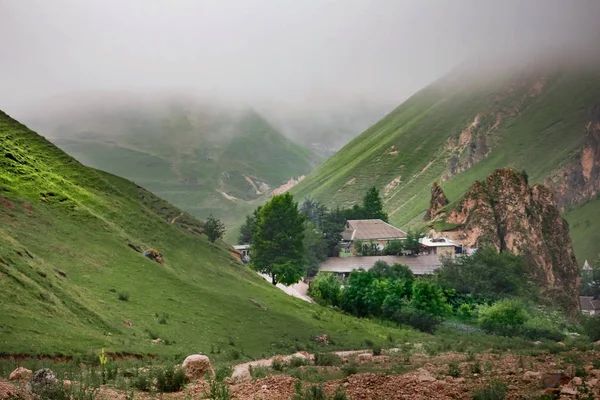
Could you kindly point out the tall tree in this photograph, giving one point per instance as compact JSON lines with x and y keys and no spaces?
{"x":248,"y":228}
{"x":214,"y":228}
{"x":373,"y":205}
{"x":278,"y":241}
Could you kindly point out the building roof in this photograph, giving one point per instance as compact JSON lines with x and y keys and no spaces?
{"x":371,"y":229}
{"x":241,"y":246}
{"x":588,"y":303}
{"x":419,"y":265}
{"x":437,"y":242}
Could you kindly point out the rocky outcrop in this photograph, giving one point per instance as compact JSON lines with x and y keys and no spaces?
{"x":196,"y":366}
{"x":20,"y":374}
{"x":579,"y":180}
{"x":437,"y":203}
{"x":508,"y":214}
{"x":42,"y":380}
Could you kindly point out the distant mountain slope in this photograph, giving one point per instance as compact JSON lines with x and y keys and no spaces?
{"x":205,"y":159}
{"x":464,"y":126}
{"x":73,"y":280}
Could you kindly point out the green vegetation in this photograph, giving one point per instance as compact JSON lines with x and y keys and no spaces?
{"x":278,"y":241}
{"x":72,"y":238}
{"x":214,"y":228}
{"x":507,"y":122}
{"x":201,"y":158}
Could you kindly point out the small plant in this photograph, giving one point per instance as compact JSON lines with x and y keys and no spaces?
{"x":258,"y":372}
{"x":376,"y":350}
{"x":369,"y":342}
{"x":123,"y":296}
{"x":163,"y":319}
{"x":170,"y":379}
{"x":298,"y":362}
{"x":453,"y":369}
{"x":327,"y":359}
{"x":313,"y":392}
{"x":340,"y":394}
{"x":488,"y":366}
{"x":471,"y":356}
{"x":235,"y":354}
{"x":222,"y":373}
{"x":142,"y":381}
{"x":218,"y":391}
{"x":475,"y":368}
{"x":278,"y":364}
{"x":496,"y":390}
{"x":350,"y":369}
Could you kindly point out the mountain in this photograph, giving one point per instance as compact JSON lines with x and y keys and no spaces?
{"x":505,"y":212}
{"x":202,"y":157}
{"x":73,"y":277}
{"x":543,"y":120}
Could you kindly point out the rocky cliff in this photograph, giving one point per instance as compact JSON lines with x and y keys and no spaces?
{"x":508,"y":214}
{"x":437,"y":203}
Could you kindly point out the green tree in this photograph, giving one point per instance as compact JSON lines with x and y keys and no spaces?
{"x":316,"y":247}
{"x":248,"y":228}
{"x":505,"y":317}
{"x":334,"y":224}
{"x":411,"y":242}
{"x":429,"y":297}
{"x":214,"y":228}
{"x":313,"y":211}
{"x":278,"y":241}
{"x":373,"y":206}
{"x":325,"y":289}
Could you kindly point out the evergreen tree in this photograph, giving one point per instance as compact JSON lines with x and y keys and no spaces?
{"x":214,"y":228}
{"x":373,"y":206}
{"x":278,"y":241}
{"x":247,"y":229}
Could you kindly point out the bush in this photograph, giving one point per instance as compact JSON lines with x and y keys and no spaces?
{"x":418,"y":319}
{"x":350,"y":369}
{"x":123,"y":296}
{"x":313,"y":392}
{"x":494,"y":391}
{"x":325,"y":289}
{"x":277,"y":365}
{"x":170,"y":379}
{"x":327,"y":359}
{"x":505,"y":317}
{"x":222,"y":373}
{"x":453,"y":369}
{"x":591,"y":327}
{"x":298,"y":362}
{"x":376,"y":350}
{"x":429,"y":297}
{"x":340,"y":394}
{"x":218,"y":391}
{"x":142,"y":381}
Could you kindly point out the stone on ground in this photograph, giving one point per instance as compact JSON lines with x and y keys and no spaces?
{"x":20,"y":374}
{"x":196,"y":366}
{"x":41,"y":380}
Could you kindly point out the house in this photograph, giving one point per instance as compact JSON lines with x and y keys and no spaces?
{"x":589,"y":306}
{"x":440,"y":247}
{"x":376,"y":231}
{"x":244,"y":250}
{"x":343,"y":266}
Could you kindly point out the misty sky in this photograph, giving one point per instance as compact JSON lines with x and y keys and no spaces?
{"x":268,"y":51}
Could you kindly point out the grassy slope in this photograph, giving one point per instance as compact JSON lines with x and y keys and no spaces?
{"x":187,"y":159}
{"x":545,"y":133}
{"x":57,"y":214}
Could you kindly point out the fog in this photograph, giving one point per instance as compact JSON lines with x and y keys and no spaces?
{"x":282,"y":55}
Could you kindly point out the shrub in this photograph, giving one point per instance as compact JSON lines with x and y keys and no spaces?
{"x":505,"y":317}
{"x":298,"y":362}
{"x":475,"y":368}
{"x":222,"y":373}
{"x":163,"y":319}
{"x":218,"y":391}
{"x":350,"y":368}
{"x":340,"y":394}
{"x":277,"y":364}
{"x":494,"y":391}
{"x":591,"y":327}
{"x":376,"y":350}
{"x":170,"y":379}
{"x":327,"y":359}
{"x":258,"y":372}
{"x":429,"y":297}
{"x":418,"y":319}
{"x":313,"y":392}
{"x":123,"y":296}
{"x":453,"y":369}
{"x":142,"y":381}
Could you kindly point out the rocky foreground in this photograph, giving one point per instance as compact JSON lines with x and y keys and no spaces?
{"x":394,"y":375}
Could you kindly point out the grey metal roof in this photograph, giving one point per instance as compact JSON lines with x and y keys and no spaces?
{"x":371,"y":229}
{"x":588,"y":303}
{"x":419,"y":265}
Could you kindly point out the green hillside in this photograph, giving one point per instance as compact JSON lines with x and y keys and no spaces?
{"x":459,"y":130}
{"x":72,"y":279}
{"x":202,"y":159}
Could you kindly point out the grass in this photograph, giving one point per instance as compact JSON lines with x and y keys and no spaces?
{"x":185,"y":159}
{"x":70,"y":242}
{"x":536,"y":133}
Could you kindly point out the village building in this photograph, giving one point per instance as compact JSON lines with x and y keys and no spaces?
{"x":589,"y":305}
{"x":375,"y":231}
{"x":442,"y":247}
{"x":343,"y":266}
{"x":244,"y":250}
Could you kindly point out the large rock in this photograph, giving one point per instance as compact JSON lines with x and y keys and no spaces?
{"x":437,"y":203}
{"x":240,"y":375}
{"x":42,"y":380}
{"x":20,"y":374}
{"x":505,"y":212}
{"x":425,"y":376}
{"x":196,"y":366}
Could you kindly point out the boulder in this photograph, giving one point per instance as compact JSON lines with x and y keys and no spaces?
{"x":365,"y":357}
{"x":568,"y":391}
{"x":41,"y":380}
{"x":240,"y":375}
{"x":532,"y":375}
{"x":554,"y":380}
{"x":20,"y":374}
{"x":196,"y":366}
{"x":425,"y":376}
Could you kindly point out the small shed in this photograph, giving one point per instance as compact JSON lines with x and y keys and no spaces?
{"x":589,"y":305}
